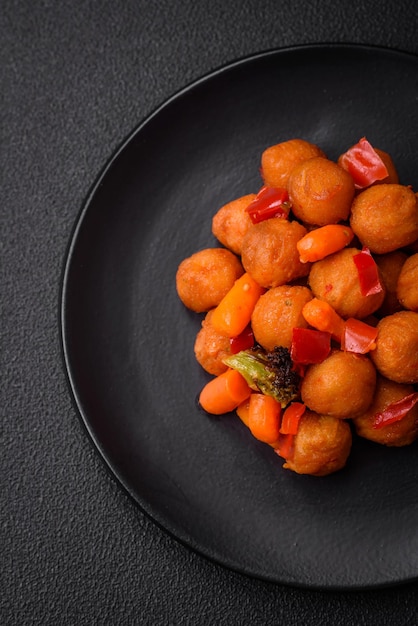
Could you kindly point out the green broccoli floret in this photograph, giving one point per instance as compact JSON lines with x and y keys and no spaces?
{"x":270,"y":372}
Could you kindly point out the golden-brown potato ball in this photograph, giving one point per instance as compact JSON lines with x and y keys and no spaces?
{"x":211,"y":347}
{"x":269,"y":252}
{"x":277,"y":312}
{"x":385,"y":217}
{"x":321,"y":192}
{"x":335,"y":280}
{"x":204,"y":278}
{"x":232,"y":221}
{"x":396,"y":352}
{"x":342,"y":385}
{"x":278,"y":161}
{"x":321,"y":446}
{"x":407,"y":287}
{"x":401,"y":433}
{"x":390,"y":265}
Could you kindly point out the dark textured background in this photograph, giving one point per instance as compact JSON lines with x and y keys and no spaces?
{"x":76,"y":77}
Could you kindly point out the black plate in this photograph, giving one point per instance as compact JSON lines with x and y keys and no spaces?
{"x":128,"y":341}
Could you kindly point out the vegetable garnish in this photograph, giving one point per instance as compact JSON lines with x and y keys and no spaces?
{"x":233,"y":313}
{"x":368,"y":273}
{"x":270,"y":373}
{"x":395,"y":411}
{"x":309,"y":346}
{"x":323,"y":241}
{"x":291,"y":418}
{"x":269,"y":202}
{"x":264,"y":417}
{"x":322,"y":316}
{"x":224,"y":393}
{"x":364,"y":164}
{"x":358,"y":336}
{"x":285,"y":447}
{"x":243,"y":341}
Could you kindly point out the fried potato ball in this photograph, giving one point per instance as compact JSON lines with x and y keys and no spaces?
{"x":269,"y":253}
{"x":278,"y":161}
{"x":321,"y":446}
{"x":211,"y":347}
{"x":407,"y":287}
{"x":385,"y":217}
{"x":342,"y":385}
{"x":277,"y":312}
{"x":401,"y":433}
{"x":321,"y":192}
{"x":231,"y":222}
{"x":390,"y":266}
{"x":335,"y":280}
{"x":204,"y":278}
{"x":396,"y":353}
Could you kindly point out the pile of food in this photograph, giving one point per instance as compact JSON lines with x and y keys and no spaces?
{"x":311,"y":305}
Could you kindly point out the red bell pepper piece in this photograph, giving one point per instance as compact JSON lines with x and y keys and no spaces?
{"x":291,"y":418}
{"x":269,"y":202}
{"x":368,"y":273}
{"x":364,"y":164}
{"x":395,"y":411}
{"x":309,"y":346}
{"x":243,"y":341}
{"x":358,"y":336}
{"x":285,"y":446}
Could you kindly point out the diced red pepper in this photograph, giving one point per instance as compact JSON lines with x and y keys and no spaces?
{"x":309,"y":346}
{"x":285,"y":446}
{"x":364,"y":164}
{"x":358,"y":336}
{"x":368,"y":273}
{"x":269,"y":202}
{"x":395,"y":411}
{"x":243,"y":341}
{"x":291,"y":418}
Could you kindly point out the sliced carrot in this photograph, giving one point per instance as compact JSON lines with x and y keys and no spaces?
{"x":264,"y":418}
{"x":320,"y":315}
{"x":319,"y":243}
{"x":291,"y":418}
{"x":224,"y":393}
{"x":233,"y":313}
{"x":243,"y":411}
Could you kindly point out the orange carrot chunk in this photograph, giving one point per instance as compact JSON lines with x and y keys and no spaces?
{"x":264,"y":418}
{"x":233,"y":313}
{"x":224,"y":393}
{"x":320,"y":315}
{"x":321,"y":242}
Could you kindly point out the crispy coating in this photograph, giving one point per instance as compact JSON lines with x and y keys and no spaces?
{"x":269,"y":252}
{"x":335,"y":280}
{"x":231,"y":222}
{"x":401,"y":433}
{"x":321,"y":192}
{"x":277,"y":312}
{"x":211,"y":347}
{"x":407,"y":286}
{"x":390,"y":266}
{"x":278,"y":161}
{"x":396,"y":353}
{"x":204,"y":278}
{"x":342,"y":385}
{"x":385,"y":217}
{"x":321,"y":446}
